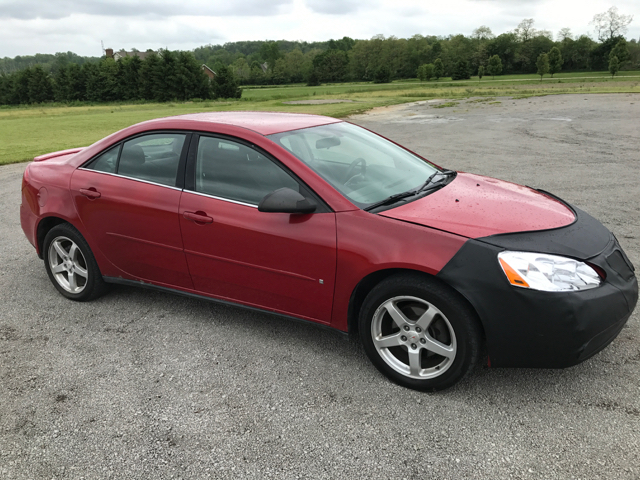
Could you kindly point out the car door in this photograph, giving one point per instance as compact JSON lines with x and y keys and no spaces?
{"x":128,"y":198}
{"x":277,"y":261}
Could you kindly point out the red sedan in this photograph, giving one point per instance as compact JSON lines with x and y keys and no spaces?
{"x":318,"y":219}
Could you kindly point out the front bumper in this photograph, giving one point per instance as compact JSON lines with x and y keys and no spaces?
{"x":529,"y":328}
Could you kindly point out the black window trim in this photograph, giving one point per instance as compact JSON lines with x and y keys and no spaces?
{"x":182,"y":162}
{"x":190,"y":170}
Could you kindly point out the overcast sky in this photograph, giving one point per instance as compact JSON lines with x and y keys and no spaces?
{"x":48,"y":26}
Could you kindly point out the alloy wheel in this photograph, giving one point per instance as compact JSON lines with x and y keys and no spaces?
{"x":68,"y":265}
{"x":413,"y":337}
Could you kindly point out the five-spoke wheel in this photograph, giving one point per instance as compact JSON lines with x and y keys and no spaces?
{"x":419,"y":332}
{"x":70,"y":264}
{"x":413,"y":337}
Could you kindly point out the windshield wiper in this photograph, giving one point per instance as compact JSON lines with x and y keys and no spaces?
{"x":429,"y":184}
{"x":390,"y":200}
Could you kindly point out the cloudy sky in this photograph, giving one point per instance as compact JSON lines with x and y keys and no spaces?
{"x":48,"y":26}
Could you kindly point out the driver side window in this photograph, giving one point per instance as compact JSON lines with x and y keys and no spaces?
{"x":234,"y":171}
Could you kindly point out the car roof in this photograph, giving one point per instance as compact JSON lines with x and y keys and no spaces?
{"x":264,"y":123}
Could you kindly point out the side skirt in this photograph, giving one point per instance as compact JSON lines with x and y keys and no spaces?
{"x":150,"y":286}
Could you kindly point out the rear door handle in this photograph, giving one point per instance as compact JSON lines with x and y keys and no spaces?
{"x":198,"y":217}
{"x":90,"y":192}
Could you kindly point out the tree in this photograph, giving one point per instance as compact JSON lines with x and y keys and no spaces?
{"x":225,"y":84}
{"x":495,"y":66}
{"x":564,"y":33}
{"x":436,"y":50}
{"x":382,"y":75}
{"x":6,"y":89}
{"x":169,"y":83}
{"x":61,"y":84}
{"x":314,"y":80}
{"x":129,"y":76}
{"x":480,"y":72}
{"x":345,"y":44}
{"x":21,"y":85}
{"x":505,"y":46}
{"x":483,"y":33}
{"x":40,"y":86}
{"x":151,"y":77}
{"x":528,"y":52}
{"x":555,"y":61}
{"x":256,"y":75}
{"x":429,"y":71}
{"x":331,"y":65}
{"x":425,"y":72}
{"x":294,"y":63}
{"x":421,"y":73}
{"x":241,"y":70}
{"x":610,"y":24}
{"x":438,"y":69}
{"x":525,"y":30}
{"x":191,"y":81}
{"x":614,"y":66}
{"x":543,"y":64}
{"x":461,"y":71}
{"x":621,"y":51}
{"x":577,"y":53}
{"x":600,"y":53}
{"x":270,"y":52}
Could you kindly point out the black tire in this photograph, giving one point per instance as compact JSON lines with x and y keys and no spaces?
{"x":431,"y":358}
{"x":71,"y":266}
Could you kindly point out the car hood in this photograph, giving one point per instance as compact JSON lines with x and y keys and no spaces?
{"x":475,"y":206}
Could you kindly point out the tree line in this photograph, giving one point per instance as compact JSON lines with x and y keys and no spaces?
{"x":178,"y":75}
{"x":159,"y":77}
{"x":49,"y":62}
{"x":261,"y":63}
{"x":457,"y":56}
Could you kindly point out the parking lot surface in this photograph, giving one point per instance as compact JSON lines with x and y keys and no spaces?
{"x":141,"y":384}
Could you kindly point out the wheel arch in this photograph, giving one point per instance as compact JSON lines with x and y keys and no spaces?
{"x":44,"y":226}
{"x":367,"y":284}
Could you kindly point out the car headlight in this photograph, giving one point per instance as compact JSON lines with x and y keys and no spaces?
{"x":549,"y":273}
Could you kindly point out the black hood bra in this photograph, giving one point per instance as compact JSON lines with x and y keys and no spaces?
{"x":530,"y":328}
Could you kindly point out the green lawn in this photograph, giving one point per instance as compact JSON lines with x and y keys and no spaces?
{"x":33,"y":130}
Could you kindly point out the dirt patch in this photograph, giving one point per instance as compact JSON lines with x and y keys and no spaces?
{"x":318,"y":102}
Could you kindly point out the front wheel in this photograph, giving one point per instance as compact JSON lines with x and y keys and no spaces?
{"x":419,"y":333}
{"x":70,"y":264}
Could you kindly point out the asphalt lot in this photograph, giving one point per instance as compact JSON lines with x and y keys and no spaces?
{"x":140,"y":384}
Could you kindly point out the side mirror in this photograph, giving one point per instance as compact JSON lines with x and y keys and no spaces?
{"x":285,"y":200}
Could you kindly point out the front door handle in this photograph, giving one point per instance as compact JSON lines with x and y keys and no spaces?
{"x":90,"y":192}
{"x":198,"y":217}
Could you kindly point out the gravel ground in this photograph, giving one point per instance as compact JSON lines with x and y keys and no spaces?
{"x":140,"y":384}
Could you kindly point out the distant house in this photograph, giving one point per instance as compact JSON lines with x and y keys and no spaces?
{"x":123,"y":53}
{"x":210,"y":73}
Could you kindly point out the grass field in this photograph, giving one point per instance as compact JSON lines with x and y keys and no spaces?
{"x":27,"y":131}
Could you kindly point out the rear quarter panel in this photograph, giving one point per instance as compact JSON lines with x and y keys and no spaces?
{"x":46,"y":194}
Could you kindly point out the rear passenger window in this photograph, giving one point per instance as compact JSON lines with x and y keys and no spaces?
{"x":154,"y":158}
{"x":234,"y":171}
{"x":107,"y":162}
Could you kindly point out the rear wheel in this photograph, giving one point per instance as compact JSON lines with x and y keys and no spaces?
{"x":419,"y":333}
{"x":70,"y":264}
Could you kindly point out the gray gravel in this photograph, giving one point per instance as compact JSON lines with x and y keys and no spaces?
{"x":140,"y":384}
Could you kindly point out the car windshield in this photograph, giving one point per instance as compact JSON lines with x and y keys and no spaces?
{"x":364,"y":167}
